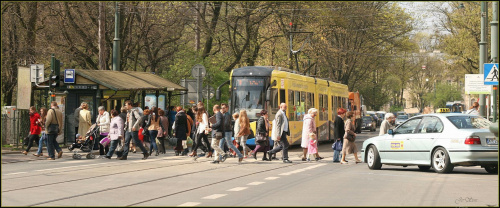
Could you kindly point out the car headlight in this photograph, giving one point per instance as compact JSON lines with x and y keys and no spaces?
{"x":369,"y":124}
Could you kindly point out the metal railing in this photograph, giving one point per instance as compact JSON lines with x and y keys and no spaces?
{"x":15,"y":128}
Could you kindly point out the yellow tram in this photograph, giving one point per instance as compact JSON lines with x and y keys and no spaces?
{"x":254,"y":88}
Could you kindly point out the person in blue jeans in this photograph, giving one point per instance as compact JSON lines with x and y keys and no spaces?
{"x":43,"y":138}
{"x":54,"y":117}
{"x":132,"y":132}
{"x":228,"y":132}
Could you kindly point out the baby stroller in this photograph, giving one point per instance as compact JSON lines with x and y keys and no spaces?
{"x":86,"y":145}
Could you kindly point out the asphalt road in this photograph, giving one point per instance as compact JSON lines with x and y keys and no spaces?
{"x":168,"y":180}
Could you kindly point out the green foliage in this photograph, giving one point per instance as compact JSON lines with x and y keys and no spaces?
{"x":444,"y":93}
{"x":395,"y":108}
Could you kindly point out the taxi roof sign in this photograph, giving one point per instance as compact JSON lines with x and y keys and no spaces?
{"x":443,"y":110}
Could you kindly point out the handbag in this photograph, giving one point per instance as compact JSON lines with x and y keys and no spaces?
{"x":172,"y":141}
{"x":260,"y":137}
{"x":145,"y":132}
{"x":189,"y":142}
{"x":53,"y":128}
{"x":105,"y":141}
{"x":350,"y":137}
{"x":218,"y":135}
{"x":337,"y":146}
{"x":121,"y":142}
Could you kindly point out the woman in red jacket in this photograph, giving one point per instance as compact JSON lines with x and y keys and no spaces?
{"x":35,"y":129}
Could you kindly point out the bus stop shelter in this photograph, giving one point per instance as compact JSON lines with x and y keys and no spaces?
{"x":110,"y":89}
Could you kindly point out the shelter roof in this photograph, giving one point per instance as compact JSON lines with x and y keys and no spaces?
{"x":129,"y":80}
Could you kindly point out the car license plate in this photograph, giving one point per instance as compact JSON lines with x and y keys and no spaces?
{"x":491,"y":141}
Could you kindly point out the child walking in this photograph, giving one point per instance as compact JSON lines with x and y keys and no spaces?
{"x":312,"y":148}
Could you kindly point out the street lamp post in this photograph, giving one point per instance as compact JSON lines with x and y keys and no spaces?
{"x":483,"y":52}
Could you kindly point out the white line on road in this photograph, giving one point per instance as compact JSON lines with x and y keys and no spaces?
{"x":237,"y":189}
{"x":271,"y":178}
{"x":189,"y":204}
{"x":14,"y":173}
{"x":214,"y":196}
{"x":303,"y":169}
{"x":75,"y":166}
{"x":255,"y":183}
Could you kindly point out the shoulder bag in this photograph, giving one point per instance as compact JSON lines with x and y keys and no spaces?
{"x":53,"y":128}
{"x":350,"y":137}
{"x":337,"y":145}
{"x":261,"y":139}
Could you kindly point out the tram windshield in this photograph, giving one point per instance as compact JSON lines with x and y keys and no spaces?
{"x":248,"y":94}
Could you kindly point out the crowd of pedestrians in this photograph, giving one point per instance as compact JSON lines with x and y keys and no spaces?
{"x":121,"y":132}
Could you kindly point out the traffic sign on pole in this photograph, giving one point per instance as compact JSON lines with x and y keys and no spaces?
{"x":491,"y":74}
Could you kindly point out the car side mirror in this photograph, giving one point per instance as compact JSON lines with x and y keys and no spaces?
{"x":390,"y":132}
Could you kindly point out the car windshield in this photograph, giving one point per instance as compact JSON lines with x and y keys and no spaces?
{"x":367,"y":118}
{"x":402,"y":117}
{"x":248,"y":94}
{"x":469,"y":122}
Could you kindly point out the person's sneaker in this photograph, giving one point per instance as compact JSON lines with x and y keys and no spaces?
{"x":51,"y":158}
{"x":303,"y":159}
{"x":224,"y":157}
{"x":287,"y":161}
{"x":308,"y":160}
{"x":317,"y":159}
{"x":59,"y":154}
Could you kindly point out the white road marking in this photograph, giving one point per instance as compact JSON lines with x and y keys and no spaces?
{"x":189,"y":204}
{"x":255,"y":183}
{"x":271,"y":178}
{"x":14,"y":173}
{"x":301,"y":170}
{"x":214,"y":196}
{"x":75,"y":166}
{"x":237,"y":189}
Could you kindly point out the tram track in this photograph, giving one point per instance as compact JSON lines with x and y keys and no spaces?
{"x":146,"y":181}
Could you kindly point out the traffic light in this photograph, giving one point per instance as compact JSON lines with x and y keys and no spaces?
{"x":55,"y":74}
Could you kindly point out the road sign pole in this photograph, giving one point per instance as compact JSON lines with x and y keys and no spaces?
{"x":483,"y":53}
{"x":198,"y":87}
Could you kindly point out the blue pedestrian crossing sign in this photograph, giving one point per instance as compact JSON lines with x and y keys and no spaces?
{"x":490,"y":74}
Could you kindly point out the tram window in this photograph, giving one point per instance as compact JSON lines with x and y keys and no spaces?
{"x":282,"y":96}
{"x":298,"y":106}
{"x":291,"y":105}
{"x":334,"y":107}
{"x":274,"y":103}
{"x":325,"y":107}
{"x":320,"y":107}
{"x":309,"y":101}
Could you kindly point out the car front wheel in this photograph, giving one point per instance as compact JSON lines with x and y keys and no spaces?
{"x":441,"y":161}
{"x":491,"y":169}
{"x":373,"y":159}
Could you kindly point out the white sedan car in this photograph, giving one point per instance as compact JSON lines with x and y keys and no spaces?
{"x":440,"y":141}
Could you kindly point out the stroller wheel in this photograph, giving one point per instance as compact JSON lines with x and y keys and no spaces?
{"x":75,"y":156}
{"x":90,"y":156}
{"x":69,"y":148}
{"x":78,"y":156}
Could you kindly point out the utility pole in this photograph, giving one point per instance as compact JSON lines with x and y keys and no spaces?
{"x":483,"y":53}
{"x":102,"y":41}
{"x":494,"y":54}
{"x":116,"y":41}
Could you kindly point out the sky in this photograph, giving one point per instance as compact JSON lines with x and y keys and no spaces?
{"x":425,"y":12}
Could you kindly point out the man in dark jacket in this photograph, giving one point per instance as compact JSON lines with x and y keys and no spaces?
{"x":217,"y":127}
{"x":339,"y":131}
{"x":180,"y":129}
{"x":228,"y":132}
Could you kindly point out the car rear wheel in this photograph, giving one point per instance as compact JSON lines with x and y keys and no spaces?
{"x":424,"y":167}
{"x":441,"y":161}
{"x":491,"y":169}
{"x":373,"y":159}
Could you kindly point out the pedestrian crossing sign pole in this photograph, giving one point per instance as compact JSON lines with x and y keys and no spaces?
{"x":491,"y":74}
